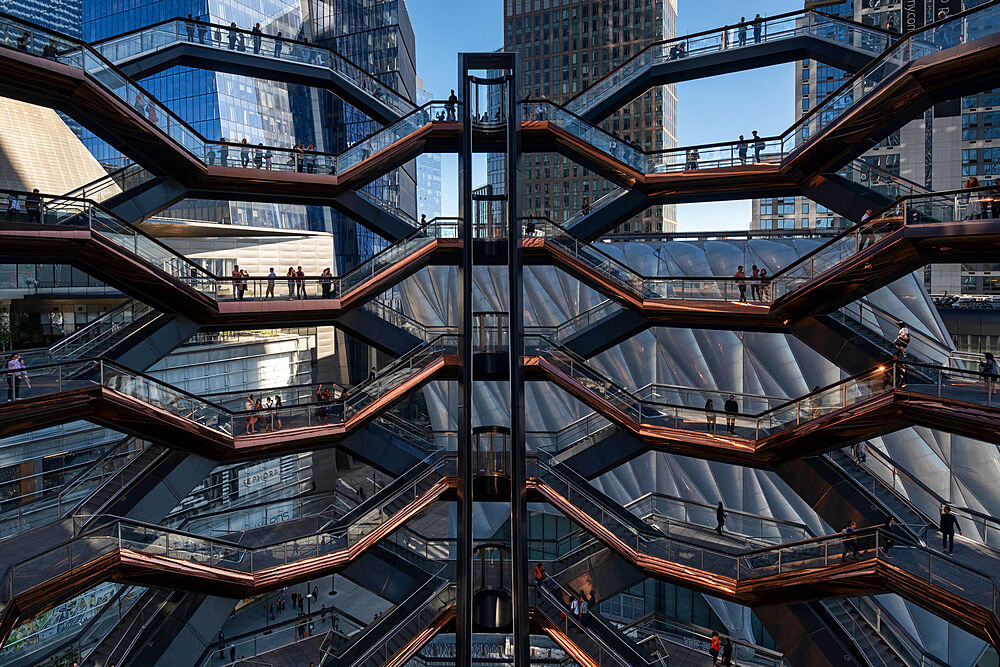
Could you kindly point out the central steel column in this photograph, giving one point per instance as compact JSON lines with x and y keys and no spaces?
{"x":515,"y":273}
{"x":463,"y":560}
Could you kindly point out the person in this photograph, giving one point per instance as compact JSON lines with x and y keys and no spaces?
{"x":371,"y":374}
{"x":715,"y":647}
{"x":326,"y":282}
{"x":278,"y":45}
{"x":727,"y":651}
{"x":991,"y":372}
{"x":202,"y":32}
{"x":33,"y":205}
{"x":765,"y":292}
{"x":271,"y":277}
{"x":720,"y":518}
{"x":449,"y":105}
{"x":692,"y":158}
{"x":949,"y":524}
{"x":742,"y":150}
{"x":758,"y":24}
{"x":529,"y":228}
{"x":300,"y":283}
{"x":268,"y":157}
{"x":251,"y":416}
{"x":890,"y":26}
{"x":895,"y":377}
{"x":758,"y":146}
{"x":224,"y":153}
{"x":258,"y":156}
{"x":902,"y":339}
{"x":320,"y":397}
{"x":232,"y":652}
{"x":755,"y":283}
{"x":850,"y":542}
{"x":56,"y":320}
{"x":742,"y":31}
{"x":210,"y":154}
{"x":865,"y":217}
{"x":189,"y":27}
{"x":887,"y":536}
{"x":233,"y":36}
{"x":574,"y":606}
{"x":710,"y":416}
{"x":741,"y":283}
{"x":13,"y":206}
{"x":995,"y":199}
{"x":291,"y":283}
{"x":244,"y":153}
{"x":50,"y":51}
{"x":859,"y":453}
{"x":732,"y":409}
{"x":15,"y":376}
{"x":23,"y":42}
{"x":237,"y":280}
{"x":539,"y":574}
{"x":584,"y":604}
{"x":257,"y":35}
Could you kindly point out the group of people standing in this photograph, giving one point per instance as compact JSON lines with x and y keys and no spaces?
{"x":296,"y":281}
{"x":760,"y":287}
{"x":34,"y":206}
{"x":265,"y":411}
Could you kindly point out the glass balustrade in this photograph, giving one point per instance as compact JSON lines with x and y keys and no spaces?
{"x":161,"y":36}
{"x":734,"y":38}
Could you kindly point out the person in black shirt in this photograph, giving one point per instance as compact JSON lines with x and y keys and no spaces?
{"x":257,"y":35}
{"x":720,"y":517}
{"x":732,"y":409}
{"x":449,"y":106}
{"x":33,"y":205}
{"x":948,"y":526}
{"x":887,"y":536}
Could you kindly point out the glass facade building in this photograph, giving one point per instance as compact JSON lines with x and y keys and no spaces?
{"x":564,"y":48}
{"x":428,"y":172}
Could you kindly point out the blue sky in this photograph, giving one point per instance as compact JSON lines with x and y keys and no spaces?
{"x":708,"y":110}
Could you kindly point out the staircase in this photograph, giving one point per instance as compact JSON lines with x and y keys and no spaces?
{"x":127,"y":632}
{"x":875,"y":650}
{"x":110,"y":490}
{"x":903,"y":512}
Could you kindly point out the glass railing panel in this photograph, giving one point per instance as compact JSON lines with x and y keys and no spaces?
{"x":165,"y":397}
{"x":580,"y":371}
{"x":60,"y":560}
{"x":391,"y":134}
{"x":587,"y":318}
{"x":189,"y":548}
{"x":620,"y":151}
{"x":815,"y":405}
{"x":736,"y":37}
{"x":264,"y":46}
{"x":952,"y":383}
{"x":394,"y":254}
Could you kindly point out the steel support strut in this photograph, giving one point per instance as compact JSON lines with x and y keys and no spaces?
{"x":518,"y":472}
{"x":464,"y":536}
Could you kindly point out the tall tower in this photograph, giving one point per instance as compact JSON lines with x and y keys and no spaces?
{"x":563,"y":49}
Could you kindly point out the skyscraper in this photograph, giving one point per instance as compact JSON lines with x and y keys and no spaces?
{"x":428,"y":171}
{"x":564,"y":48}
{"x":938,"y":151}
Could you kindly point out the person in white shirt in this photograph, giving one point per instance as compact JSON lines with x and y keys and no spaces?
{"x":13,"y":206}
{"x":902,"y":339}
{"x":15,"y":377}
{"x":574,"y":607}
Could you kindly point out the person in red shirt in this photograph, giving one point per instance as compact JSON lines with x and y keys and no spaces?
{"x":716,"y":647}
